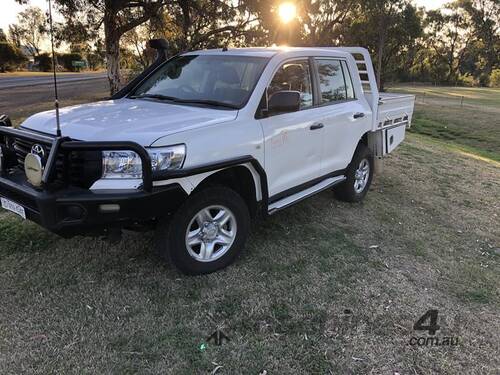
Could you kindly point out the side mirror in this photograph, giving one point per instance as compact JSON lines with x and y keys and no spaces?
{"x":283,"y":102}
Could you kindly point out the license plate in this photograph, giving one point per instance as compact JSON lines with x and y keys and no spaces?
{"x":13,"y":207}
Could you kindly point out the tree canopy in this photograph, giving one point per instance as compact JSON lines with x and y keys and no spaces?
{"x":458,"y":43}
{"x":30,"y":29}
{"x":10,"y":56}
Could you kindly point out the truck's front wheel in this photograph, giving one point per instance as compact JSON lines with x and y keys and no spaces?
{"x":207,"y":233}
{"x":359,"y":176}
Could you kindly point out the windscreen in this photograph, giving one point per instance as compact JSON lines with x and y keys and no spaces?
{"x":205,"y":79}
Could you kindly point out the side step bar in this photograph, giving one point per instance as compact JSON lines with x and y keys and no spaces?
{"x":297,"y":197}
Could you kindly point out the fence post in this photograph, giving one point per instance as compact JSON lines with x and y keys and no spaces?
{"x":462,"y":102}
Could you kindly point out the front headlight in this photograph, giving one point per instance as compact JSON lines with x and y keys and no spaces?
{"x":171,"y":157}
{"x":121,"y":164}
{"x":127,"y":164}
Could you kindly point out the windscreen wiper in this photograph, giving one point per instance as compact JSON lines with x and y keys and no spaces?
{"x":186,"y":101}
{"x":155,"y":96}
{"x":208,"y":102}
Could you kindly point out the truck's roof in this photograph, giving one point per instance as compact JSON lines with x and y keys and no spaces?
{"x":262,"y":51}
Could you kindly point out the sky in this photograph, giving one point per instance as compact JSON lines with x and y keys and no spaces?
{"x":9,"y":9}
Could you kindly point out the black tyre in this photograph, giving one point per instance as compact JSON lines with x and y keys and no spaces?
{"x":207,"y":233}
{"x":359,"y":176}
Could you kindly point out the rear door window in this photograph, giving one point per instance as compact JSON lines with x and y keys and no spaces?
{"x":334,"y":81}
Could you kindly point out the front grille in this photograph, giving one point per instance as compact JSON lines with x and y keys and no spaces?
{"x":85,"y":167}
{"x":77,"y":168}
{"x":23,"y":148}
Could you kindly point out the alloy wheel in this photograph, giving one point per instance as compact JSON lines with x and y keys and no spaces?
{"x":211,"y":233}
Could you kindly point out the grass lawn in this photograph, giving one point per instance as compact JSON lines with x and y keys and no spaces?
{"x":323,"y":287}
{"x":472,"y":96}
{"x":474,"y":127}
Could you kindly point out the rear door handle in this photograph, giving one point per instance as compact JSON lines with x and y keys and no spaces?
{"x":317,"y":126}
{"x":358,"y":115}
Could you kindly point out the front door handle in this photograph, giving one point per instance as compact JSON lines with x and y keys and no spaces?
{"x":358,"y":115}
{"x":317,"y":126}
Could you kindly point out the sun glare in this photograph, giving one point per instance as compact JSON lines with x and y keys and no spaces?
{"x":287,"y":12}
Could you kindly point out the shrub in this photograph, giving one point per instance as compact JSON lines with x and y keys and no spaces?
{"x":467,"y":80}
{"x":95,"y":60}
{"x":11,"y":57}
{"x":44,"y":62}
{"x":495,"y":78}
{"x":484,"y":80}
{"x":66,"y":60}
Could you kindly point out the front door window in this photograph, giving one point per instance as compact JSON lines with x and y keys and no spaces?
{"x":293,"y":76}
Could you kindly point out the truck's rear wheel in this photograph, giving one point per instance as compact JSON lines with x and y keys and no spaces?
{"x":207,"y":233}
{"x":359,"y":176}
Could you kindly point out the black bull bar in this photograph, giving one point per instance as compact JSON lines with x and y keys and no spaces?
{"x":67,"y":144}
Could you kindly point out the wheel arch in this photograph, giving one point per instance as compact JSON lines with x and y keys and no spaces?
{"x":364,"y":140}
{"x":245,"y":179}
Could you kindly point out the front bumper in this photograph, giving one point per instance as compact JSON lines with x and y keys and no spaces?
{"x":68,"y":209}
{"x":76,"y":211}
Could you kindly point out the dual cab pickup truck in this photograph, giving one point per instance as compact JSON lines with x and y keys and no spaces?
{"x":202,"y":142}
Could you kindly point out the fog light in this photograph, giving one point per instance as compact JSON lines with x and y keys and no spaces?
{"x":109,"y":208}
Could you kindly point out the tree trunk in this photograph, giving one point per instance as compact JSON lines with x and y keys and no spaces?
{"x":112,"y":37}
{"x":380,"y":54}
{"x":382,"y":34}
{"x":113,"y":65}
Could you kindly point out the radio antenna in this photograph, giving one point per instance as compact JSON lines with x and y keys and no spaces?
{"x":56,"y":101}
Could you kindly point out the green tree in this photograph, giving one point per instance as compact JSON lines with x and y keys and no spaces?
{"x":318,"y":22}
{"x":136,"y":40}
{"x":44,"y":62}
{"x":388,"y":28}
{"x":495,"y":78}
{"x":15,"y":35}
{"x":448,"y":35}
{"x":96,"y":55}
{"x":485,"y":24}
{"x":30,"y":30}
{"x":193,"y":24}
{"x":66,"y":60}
{"x":472,"y":61}
{"x":10,"y":56}
{"x":116,"y":17}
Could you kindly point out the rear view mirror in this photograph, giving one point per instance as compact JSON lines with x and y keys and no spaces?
{"x":283,"y":102}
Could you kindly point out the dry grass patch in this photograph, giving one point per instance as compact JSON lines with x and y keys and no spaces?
{"x":324,"y":287}
{"x":310,"y":295}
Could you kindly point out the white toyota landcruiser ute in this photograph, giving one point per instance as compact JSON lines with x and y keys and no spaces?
{"x":200,"y":143}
